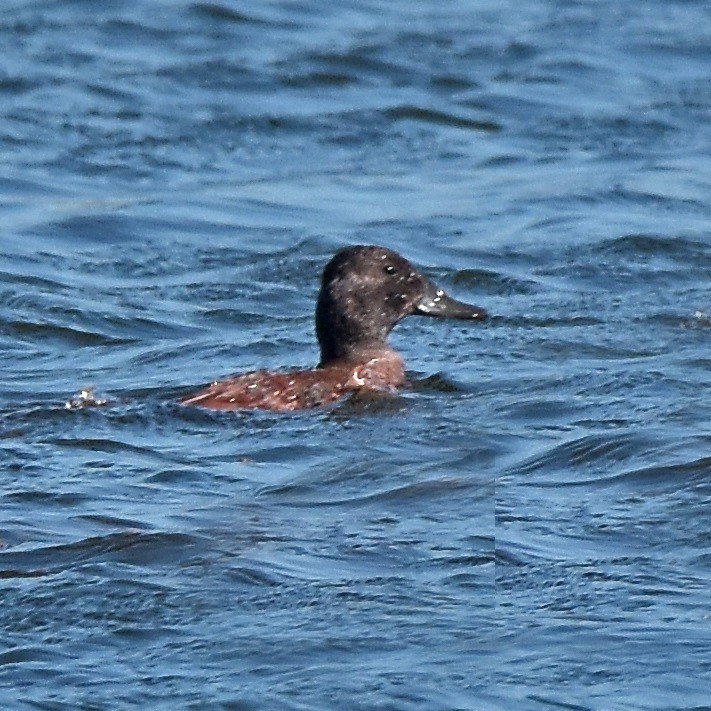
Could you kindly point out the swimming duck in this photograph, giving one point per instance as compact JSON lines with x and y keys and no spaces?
{"x":365,"y":291}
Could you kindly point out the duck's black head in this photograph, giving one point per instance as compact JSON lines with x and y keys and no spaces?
{"x":365,"y":292}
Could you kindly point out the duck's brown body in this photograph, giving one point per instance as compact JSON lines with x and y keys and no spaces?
{"x":300,"y":389}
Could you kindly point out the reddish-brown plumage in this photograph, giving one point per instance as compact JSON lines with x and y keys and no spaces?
{"x":300,"y":389}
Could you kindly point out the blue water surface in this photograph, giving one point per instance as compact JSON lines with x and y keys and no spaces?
{"x":527,"y":526}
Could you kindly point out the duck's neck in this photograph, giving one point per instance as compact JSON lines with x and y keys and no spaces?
{"x":358,"y":354}
{"x":373,"y":368}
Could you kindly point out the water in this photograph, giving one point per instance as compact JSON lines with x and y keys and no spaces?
{"x":527,"y":527}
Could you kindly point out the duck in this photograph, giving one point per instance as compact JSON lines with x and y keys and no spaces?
{"x":366,"y":290}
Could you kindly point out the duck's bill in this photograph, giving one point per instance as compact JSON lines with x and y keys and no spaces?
{"x":437,"y":303}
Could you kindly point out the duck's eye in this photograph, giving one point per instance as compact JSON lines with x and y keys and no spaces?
{"x":389,"y":269}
